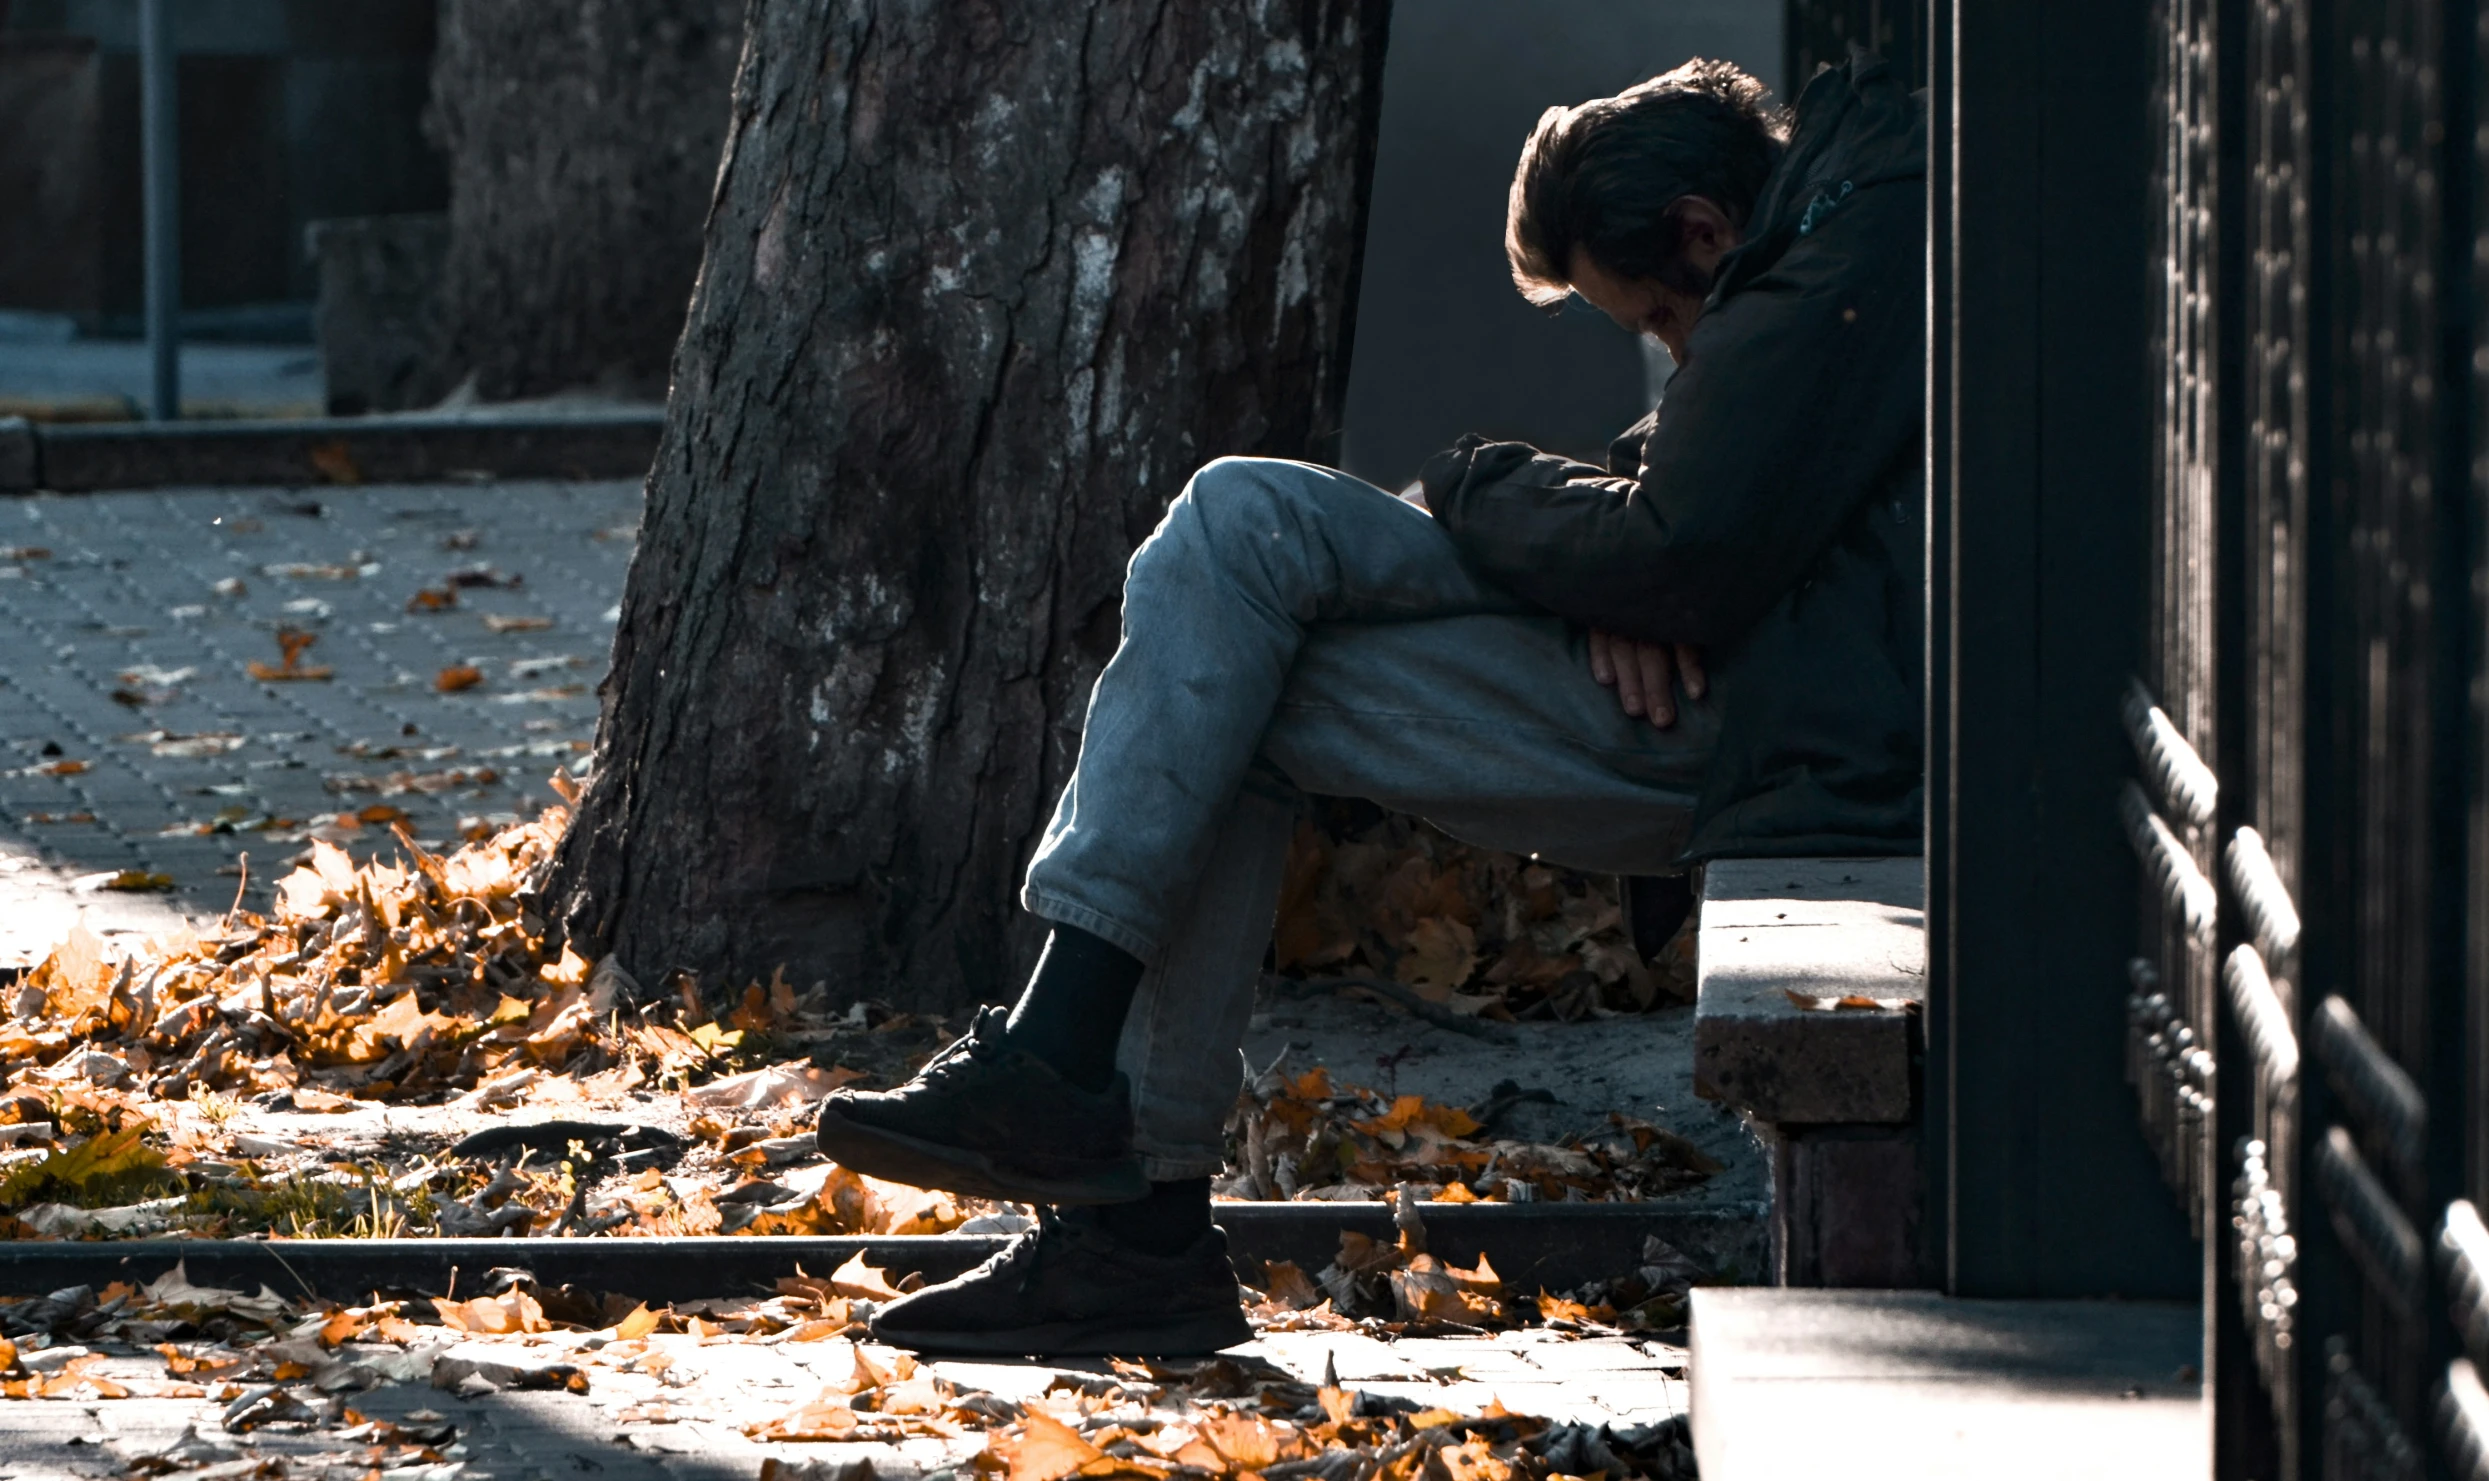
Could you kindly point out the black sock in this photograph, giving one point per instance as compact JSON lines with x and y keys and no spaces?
{"x":1165,"y":1223}
{"x":1071,"y":1014}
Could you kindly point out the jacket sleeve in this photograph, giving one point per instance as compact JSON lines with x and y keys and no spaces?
{"x":1800,"y":392}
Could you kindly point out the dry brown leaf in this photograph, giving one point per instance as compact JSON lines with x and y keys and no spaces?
{"x":1561,"y":1309}
{"x":824,"y":1418}
{"x":335,"y":461}
{"x":515,"y":1311}
{"x":1250,"y":1442}
{"x":1848,"y":1002}
{"x":1442,"y":953}
{"x":862,"y":1281}
{"x":456,"y":677}
{"x":1287,"y":1283}
{"x":1046,"y":1449}
{"x":1473,"y":1459}
{"x":292,"y":643}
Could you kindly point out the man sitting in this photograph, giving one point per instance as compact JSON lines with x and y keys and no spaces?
{"x":1745,"y":576}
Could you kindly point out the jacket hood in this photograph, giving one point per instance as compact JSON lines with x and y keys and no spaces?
{"x":1856,"y":129}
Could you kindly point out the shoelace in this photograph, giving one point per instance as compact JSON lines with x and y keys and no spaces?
{"x":1021,"y":1252}
{"x":967,"y":1048}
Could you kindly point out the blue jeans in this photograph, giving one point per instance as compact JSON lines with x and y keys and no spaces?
{"x":1289,"y":629}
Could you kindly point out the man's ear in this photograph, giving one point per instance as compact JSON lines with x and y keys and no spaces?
{"x":1704,"y":232}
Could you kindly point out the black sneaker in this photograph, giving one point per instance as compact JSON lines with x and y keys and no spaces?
{"x":992,"y":1121}
{"x":1068,"y":1287}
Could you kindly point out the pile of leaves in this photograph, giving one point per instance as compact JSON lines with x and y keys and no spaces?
{"x":365,"y":982}
{"x":181,"y":1088}
{"x":1397,"y":1287}
{"x":141,"y":1088}
{"x":1230,"y":1418}
{"x":294,"y":1368}
{"x":1302,"y":1137}
{"x":1384,"y":904}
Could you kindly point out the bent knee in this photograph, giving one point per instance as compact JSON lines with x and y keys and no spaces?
{"x":1254,"y":490}
{"x":1236,"y":511}
{"x":1223,"y":480}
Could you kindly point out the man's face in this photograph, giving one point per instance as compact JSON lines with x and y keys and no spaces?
{"x":1663,"y":310}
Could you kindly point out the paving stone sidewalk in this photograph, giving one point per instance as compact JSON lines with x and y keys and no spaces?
{"x":687,"y":1425}
{"x":134,"y":738}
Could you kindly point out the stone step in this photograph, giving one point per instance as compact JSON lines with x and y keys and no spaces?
{"x":1552,"y":1246}
{"x":1872,"y":1384}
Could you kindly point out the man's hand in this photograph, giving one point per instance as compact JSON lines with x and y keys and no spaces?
{"x":1644,"y":675}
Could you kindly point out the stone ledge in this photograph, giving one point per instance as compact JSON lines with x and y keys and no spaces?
{"x":17,"y":453}
{"x":1533,"y":1245}
{"x":86,"y":457}
{"x":1910,"y":1383}
{"x":1819,"y":928}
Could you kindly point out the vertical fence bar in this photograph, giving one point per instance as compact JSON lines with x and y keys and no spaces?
{"x":159,"y":108}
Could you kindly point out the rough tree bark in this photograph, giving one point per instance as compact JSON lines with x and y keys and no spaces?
{"x":582,"y":139}
{"x":984,"y":283}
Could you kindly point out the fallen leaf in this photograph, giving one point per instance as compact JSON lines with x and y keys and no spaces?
{"x":1848,"y":1002}
{"x":456,"y":677}
{"x":796,"y":1082}
{"x":1287,"y":1283}
{"x":825,"y":1418}
{"x":515,"y":1311}
{"x":1442,"y":952}
{"x":1473,"y":1459}
{"x":335,"y":461}
{"x":292,"y":643}
{"x":1561,"y":1309}
{"x":1248,"y":1442}
{"x":1046,"y":1449}
{"x":858,"y":1279}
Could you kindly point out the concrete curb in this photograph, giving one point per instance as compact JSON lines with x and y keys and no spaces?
{"x":1533,"y":1246}
{"x":88,"y":457}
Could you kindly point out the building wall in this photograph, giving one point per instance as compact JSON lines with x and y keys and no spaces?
{"x":291,"y":111}
{"x":1444,"y":344}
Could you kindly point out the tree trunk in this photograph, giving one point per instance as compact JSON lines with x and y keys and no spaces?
{"x":582,"y":138}
{"x":985,"y":282}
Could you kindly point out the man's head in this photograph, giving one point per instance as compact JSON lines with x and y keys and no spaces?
{"x":1631,"y":201}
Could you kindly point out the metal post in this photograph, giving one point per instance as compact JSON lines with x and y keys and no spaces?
{"x":159,"y":109}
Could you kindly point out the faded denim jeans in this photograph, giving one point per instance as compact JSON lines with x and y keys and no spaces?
{"x":1290,"y":629}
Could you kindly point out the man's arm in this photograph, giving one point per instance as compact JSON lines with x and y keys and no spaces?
{"x":1799,"y":392}
{"x":1644,"y":675}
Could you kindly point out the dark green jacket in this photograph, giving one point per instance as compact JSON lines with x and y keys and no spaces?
{"x":1771,"y":510}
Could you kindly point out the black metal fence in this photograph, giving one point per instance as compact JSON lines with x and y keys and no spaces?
{"x":2312,"y":977}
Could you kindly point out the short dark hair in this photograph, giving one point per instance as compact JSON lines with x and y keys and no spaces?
{"x":1602,"y":176}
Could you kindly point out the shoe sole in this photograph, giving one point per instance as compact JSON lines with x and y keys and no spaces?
{"x":1120,"y":1336}
{"x":921,"y":1164}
